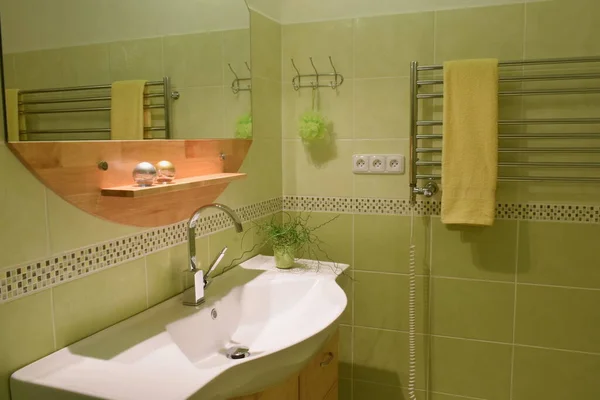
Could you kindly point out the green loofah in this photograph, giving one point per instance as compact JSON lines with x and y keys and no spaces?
{"x":243,"y":127}
{"x":312,"y":126}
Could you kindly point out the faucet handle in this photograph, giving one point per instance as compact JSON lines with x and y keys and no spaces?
{"x":214,"y":264}
{"x":194,"y":295}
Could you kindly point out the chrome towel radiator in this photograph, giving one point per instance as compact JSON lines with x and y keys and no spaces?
{"x":517,"y":79}
{"x":52,"y":101}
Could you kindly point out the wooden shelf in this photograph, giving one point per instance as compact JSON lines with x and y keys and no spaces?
{"x":134,"y":191}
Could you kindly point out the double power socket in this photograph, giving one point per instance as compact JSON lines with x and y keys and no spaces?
{"x":378,"y":164}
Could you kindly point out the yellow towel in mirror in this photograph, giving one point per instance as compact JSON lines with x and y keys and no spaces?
{"x":470,"y":142}
{"x":127,"y":115}
{"x":14,"y":121}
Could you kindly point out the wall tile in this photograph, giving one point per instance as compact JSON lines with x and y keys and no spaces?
{"x":194,"y":60}
{"x":382,"y":186}
{"x":470,"y":368}
{"x":370,"y":391}
{"x":346,"y":282}
{"x":472,"y":309}
{"x":559,"y":254}
{"x":322,"y":169}
{"x":268,"y":184}
{"x":345,"y":351}
{"x":70,"y":228}
{"x":10,"y":75}
{"x":381,"y":357}
{"x":26,"y":334}
{"x":381,"y":108}
{"x":86,"y":65}
{"x":474,"y":252}
{"x":199,"y":113}
{"x":236,"y":51}
{"x":334,"y":235}
{"x":381,"y":301}
{"x":479,"y":33}
{"x":382,"y":243}
{"x":90,"y":304}
{"x":558,"y":318}
{"x":130,"y":59}
{"x":385,"y":46}
{"x":23,"y":212}
{"x":335,"y":105}
{"x":555,"y":375}
{"x":344,"y":389}
{"x":31,"y":76}
{"x":318,"y":40}
{"x":266,"y":111}
{"x":562,"y":29}
{"x":266,"y":47}
{"x":165,"y":272}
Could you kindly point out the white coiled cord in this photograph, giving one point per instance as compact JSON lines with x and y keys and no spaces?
{"x":412,"y":314}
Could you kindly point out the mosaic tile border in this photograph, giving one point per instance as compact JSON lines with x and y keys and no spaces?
{"x":514,"y":211}
{"x":21,"y":280}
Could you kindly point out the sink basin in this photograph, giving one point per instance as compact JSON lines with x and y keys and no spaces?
{"x":173,"y":351}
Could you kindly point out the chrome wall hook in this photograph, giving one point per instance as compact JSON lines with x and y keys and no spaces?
{"x":236,"y":86}
{"x":335,"y":78}
{"x":315,"y":84}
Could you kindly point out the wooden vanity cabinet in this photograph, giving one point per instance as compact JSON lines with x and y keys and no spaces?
{"x":317,"y":381}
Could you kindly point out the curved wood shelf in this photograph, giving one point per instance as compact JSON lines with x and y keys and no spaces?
{"x":179,"y":184}
{"x":70,"y":169}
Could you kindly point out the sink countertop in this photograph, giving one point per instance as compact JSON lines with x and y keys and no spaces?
{"x":172,"y":351}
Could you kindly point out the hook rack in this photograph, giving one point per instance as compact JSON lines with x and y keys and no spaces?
{"x":336,"y":78}
{"x":236,"y":87}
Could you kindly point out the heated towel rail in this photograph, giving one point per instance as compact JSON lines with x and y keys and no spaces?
{"x":578,"y":150}
{"x":36,"y":102}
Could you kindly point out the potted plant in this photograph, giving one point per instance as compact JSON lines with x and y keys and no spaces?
{"x":290,"y":237}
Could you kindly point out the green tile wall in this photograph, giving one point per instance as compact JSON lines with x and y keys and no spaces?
{"x":504,"y":313}
{"x":36,"y":223}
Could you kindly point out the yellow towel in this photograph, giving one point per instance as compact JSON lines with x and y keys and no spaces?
{"x":127,"y":115}
{"x":14,"y":121}
{"x":470,"y":142}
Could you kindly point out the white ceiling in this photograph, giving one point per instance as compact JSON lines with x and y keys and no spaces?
{"x":297,"y":11}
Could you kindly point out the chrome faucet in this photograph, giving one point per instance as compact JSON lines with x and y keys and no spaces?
{"x":194,"y":296}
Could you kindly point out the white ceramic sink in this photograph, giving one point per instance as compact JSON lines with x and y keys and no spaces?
{"x":173,"y":351}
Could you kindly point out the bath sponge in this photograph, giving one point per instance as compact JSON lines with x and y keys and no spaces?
{"x":243,"y":127}
{"x":313,"y":125}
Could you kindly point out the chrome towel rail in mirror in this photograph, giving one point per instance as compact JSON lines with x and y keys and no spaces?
{"x":29,"y":106}
{"x":420,"y":90}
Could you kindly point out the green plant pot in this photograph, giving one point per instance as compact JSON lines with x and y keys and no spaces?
{"x":284,"y":257}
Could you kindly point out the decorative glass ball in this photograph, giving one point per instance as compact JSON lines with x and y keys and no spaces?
{"x":165,"y":172}
{"x":144,"y":174}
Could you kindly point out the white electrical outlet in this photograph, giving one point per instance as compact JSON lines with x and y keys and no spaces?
{"x":378,"y":163}
{"x":394,"y":164}
{"x":360,"y":164}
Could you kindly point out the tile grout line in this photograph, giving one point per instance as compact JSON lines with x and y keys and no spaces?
{"x":353,"y":310}
{"x":47,"y":221}
{"x":429,"y":313}
{"x":512,"y":355}
{"x":53,"y":318}
{"x":405,"y":332}
{"x":146,"y":281}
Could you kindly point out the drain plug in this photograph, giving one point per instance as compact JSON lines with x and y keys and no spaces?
{"x":237,"y":353}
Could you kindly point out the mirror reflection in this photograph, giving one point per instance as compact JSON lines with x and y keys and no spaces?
{"x":126,"y":69}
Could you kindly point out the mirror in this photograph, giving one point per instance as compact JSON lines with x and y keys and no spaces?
{"x":193,"y":54}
